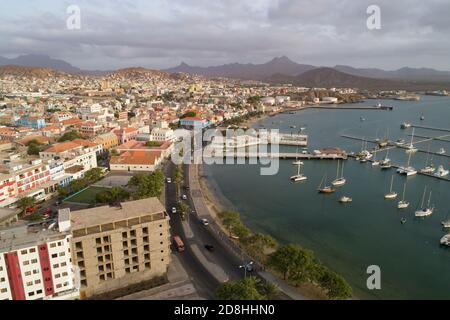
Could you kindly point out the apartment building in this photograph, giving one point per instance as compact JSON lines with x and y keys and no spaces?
{"x":32,"y":122}
{"x":21,"y":178}
{"x":36,"y":263}
{"x":79,"y":156}
{"x":90,"y":128}
{"x":116,"y":247}
{"x":125,"y":134}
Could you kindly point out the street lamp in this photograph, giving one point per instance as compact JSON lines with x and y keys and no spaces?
{"x":246,"y":266}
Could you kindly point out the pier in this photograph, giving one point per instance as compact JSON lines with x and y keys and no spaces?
{"x":395,"y":166}
{"x":393,"y":145}
{"x":282,"y":155}
{"x":429,"y":128}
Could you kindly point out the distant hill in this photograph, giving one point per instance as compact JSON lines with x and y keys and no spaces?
{"x":139,"y":73}
{"x":36,"y":60}
{"x":415,"y":74}
{"x":282,"y":65}
{"x":329,"y":77}
{"x":31,"y":72}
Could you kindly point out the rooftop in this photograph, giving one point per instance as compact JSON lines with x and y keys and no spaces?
{"x":106,"y":214}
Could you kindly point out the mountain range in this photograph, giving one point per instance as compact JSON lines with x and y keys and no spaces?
{"x":280,"y":70}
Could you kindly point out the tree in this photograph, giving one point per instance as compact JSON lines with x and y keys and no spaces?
{"x":112,"y":196}
{"x":153,"y":144}
{"x":282,"y":259}
{"x":69,"y":136}
{"x":178,"y":177}
{"x":25,"y":203}
{"x":269,"y":290}
{"x":334,"y":284}
{"x":229,"y":219}
{"x":147,"y":185}
{"x":245,"y":289}
{"x":34,"y":147}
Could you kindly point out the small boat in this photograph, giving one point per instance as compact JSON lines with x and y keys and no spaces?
{"x":403,"y":220}
{"x":299,"y":177}
{"x":441,"y":172}
{"x":425,"y":211}
{"x":391,"y":194}
{"x":422,"y":118}
{"x":297,"y":163}
{"x":293,"y":127}
{"x":405,"y":125}
{"x":362,"y":118}
{"x":400,"y":142}
{"x":441,"y":151}
{"x":445,"y":240}
{"x":386,"y":162}
{"x":403,"y":204}
{"x":340,"y":180}
{"x":345,"y":199}
{"x":323,"y":188}
{"x":446,"y":224}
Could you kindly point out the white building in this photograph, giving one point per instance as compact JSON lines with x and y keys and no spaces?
{"x":35,"y":263}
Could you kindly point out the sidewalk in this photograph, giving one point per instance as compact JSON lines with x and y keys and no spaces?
{"x":282,"y":286}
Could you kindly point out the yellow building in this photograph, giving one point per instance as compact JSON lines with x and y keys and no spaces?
{"x":118,"y":247}
{"x":107,"y":140}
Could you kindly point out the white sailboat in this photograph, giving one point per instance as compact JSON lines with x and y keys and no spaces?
{"x":446,"y":222}
{"x":411,"y":148}
{"x":375,"y":162}
{"x":339,"y":181}
{"x":299,"y":177}
{"x":386,"y":162}
{"x":403,"y":204}
{"x":429,"y":167}
{"x":425,"y":211}
{"x":408,"y":170}
{"x":297,"y":162}
{"x":391,"y":194}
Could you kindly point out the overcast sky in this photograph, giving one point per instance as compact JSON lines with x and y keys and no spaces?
{"x":162,"y":33}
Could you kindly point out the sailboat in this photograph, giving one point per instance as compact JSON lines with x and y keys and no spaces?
{"x":391,"y":194}
{"x":446,"y":223}
{"x":297,"y":162}
{"x":403,"y":204}
{"x":340,"y":181}
{"x":324,"y":188}
{"x":411,"y":148}
{"x":425,"y":211}
{"x":408,"y":170}
{"x":386,"y":162}
{"x":429,"y":168}
{"x":375,"y":162}
{"x":299,"y":177}
{"x":345,"y":199}
{"x":441,"y":172}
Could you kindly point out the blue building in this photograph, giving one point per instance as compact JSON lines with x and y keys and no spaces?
{"x":32,"y":122}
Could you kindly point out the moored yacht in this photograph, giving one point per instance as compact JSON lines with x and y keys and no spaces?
{"x":403,"y":204}
{"x":323,"y":188}
{"x":391,"y":194}
{"x":340,"y":180}
{"x":441,"y":172}
{"x":425,"y":211}
{"x":299,"y":176}
{"x":441,"y":151}
{"x":345,"y":199}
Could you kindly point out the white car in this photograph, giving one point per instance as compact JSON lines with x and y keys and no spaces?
{"x":205,"y":222}
{"x":184,"y":197}
{"x":169,"y":180}
{"x":174,"y":210}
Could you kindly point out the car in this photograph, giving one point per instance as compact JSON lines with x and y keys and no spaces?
{"x":169,"y":180}
{"x":184,"y":197}
{"x":174,"y":210}
{"x":209,"y":247}
{"x":204,"y":222}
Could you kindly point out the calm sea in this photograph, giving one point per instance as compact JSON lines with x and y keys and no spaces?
{"x":349,"y":238}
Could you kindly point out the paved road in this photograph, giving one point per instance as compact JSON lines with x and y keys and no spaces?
{"x":206,"y":284}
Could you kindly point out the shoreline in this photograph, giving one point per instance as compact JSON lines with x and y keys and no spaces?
{"x":217,"y":202}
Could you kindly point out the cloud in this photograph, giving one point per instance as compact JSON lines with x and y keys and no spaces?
{"x":161,"y":33}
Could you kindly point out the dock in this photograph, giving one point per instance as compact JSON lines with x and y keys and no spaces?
{"x":429,"y":128}
{"x":283,"y":155}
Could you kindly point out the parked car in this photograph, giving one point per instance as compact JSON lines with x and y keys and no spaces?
{"x":184,"y":197}
{"x":174,"y":210}
{"x":204,"y":222}
{"x":209,"y":247}
{"x":169,"y":180}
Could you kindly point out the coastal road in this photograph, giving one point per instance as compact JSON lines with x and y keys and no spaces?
{"x":205,"y":282}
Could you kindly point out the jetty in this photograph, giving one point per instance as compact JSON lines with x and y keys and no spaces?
{"x":280,"y":155}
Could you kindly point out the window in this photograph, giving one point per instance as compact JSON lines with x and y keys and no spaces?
{"x":39,"y":292}
{"x":62,"y":254}
{"x":63,"y":264}
{"x":30,"y":294}
{"x":55,"y":255}
{"x":32,"y":250}
{"x":2,"y":279}
{"x":53,"y":245}
{"x":25,"y":263}
{"x":34,"y":261}
{"x":37,"y":281}
{"x":28,"y":273}
{"x":23,"y":252}
{"x":55,"y":266}
{"x":4,"y":290}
